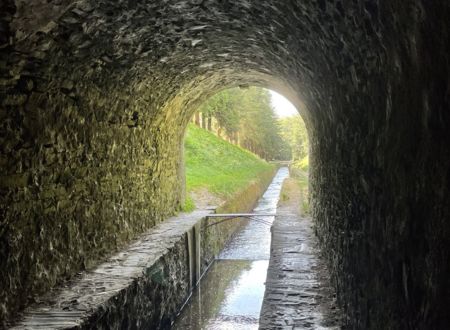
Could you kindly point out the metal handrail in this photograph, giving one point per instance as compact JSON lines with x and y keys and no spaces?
{"x":231,"y":216}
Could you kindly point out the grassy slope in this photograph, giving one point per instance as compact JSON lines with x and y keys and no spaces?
{"x":299,"y":171}
{"x":217,"y":165}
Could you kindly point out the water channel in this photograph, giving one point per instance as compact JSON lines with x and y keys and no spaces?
{"x":230,"y":295}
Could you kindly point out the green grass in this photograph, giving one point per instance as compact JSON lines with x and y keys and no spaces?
{"x":189,"y":204}
{"x":220,"y":167}
{"x":300,"y":173}
{"x":302,"y":181}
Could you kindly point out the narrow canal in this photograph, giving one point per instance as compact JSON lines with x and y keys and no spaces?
{"x":230,"y":295}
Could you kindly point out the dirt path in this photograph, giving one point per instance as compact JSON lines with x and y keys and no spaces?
{"x":298,"y":294}
{"x":203,"y":199}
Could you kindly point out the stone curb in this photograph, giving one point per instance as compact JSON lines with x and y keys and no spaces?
{"x":99,"y":297}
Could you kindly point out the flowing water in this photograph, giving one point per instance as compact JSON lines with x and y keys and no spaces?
{"x":230,"y":295}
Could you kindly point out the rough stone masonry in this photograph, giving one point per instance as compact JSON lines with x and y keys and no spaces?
{"x":95,"y":97}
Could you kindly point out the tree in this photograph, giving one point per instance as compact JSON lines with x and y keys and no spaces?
{"x":293,"y":131}
{"x":247,"y":117}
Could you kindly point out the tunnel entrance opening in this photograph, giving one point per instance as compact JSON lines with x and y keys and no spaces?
{"x":233,"y":136}
{"x":255,"y":119}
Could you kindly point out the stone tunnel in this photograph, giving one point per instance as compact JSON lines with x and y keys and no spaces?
{"x":96,"y":95}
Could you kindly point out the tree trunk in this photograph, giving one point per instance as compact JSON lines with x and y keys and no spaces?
{"x":197,"y":119}
{"x":203,"y":120}
{"x":209,"y":123}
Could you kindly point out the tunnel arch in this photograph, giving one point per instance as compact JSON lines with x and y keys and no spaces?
{"x":91,"y":91}
{"x":186,"y":102}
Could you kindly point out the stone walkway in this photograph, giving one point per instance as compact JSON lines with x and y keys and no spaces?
{"x":298,"y":294}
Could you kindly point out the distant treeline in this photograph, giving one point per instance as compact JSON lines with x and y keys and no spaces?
{"x":245,"y":117}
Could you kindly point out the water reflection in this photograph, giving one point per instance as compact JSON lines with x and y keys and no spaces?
{"x":229,"y":297}
{"x":231,"y":294}
{"x":253,"y":242}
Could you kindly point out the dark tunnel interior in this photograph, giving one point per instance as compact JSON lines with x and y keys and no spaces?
{"x":95,"y":97}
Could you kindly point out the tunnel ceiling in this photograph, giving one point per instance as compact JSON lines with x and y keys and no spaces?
{"x":164,"y":46}
{"x":95,"y":96}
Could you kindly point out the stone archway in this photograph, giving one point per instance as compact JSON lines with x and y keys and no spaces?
{"x":94,"y":96}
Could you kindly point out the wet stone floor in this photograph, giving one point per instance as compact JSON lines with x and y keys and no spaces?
{"x":244,"y":290}
{"x":298,"y":292}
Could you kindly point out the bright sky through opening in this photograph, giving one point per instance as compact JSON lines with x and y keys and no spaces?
{"x":282,"y":106}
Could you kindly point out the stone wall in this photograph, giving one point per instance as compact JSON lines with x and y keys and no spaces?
{"x":380,"y":173}
{"x":95,"y":96}
{"x":80,"y":177}
{"x":150,"y":301}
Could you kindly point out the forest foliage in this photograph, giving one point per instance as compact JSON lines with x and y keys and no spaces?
{"x":246,"y":117}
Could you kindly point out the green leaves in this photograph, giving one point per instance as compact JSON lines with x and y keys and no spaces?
{"x":294,"y":132}
{"x":248,"y":119}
